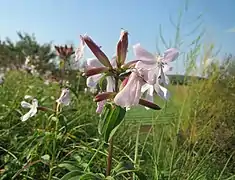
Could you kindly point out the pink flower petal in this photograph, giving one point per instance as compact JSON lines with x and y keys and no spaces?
{"x":93,"y":62}
{"x":149,"y":72}
{"x":93,"y":80}
{"x":143,"y":55}
{"x":167,"y":68}
{"x":79,"y":53}
{"x":100,"y":106}
{"x":130,"y":94}
{"x":170,"y":55}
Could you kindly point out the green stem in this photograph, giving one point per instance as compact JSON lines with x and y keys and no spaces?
{"x":54,"y":142}
{"x":110,"y":157}
{"x":110,"y":150}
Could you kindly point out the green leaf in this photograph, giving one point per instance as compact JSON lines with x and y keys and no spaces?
{"x":109,"y":178}
{"x":101,"y":82}
{"x":73,"y":175}
{"x":68,"y":166}
{"x":104,"y":115}
{"x":111,"y":117}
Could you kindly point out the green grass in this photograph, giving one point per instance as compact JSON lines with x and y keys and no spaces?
{"x":30,"y":150}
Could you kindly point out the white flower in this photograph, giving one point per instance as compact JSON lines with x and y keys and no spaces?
{"x":157,"y":66}
{"x":64,"y":97}
{"x":33,"y":108}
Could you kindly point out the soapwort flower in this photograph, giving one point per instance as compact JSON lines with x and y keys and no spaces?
{"x":64,"y":97}
{"x":157,"y":68}
{"x":101,"y":66}
{"x":133,"y":77}
{"x":33,"y":108}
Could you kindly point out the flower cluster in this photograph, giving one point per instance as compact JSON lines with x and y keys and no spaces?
{"x":124,"y":83}
{"x":130,"y":83}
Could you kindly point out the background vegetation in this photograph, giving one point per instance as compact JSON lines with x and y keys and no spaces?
{"x":191,"y":138}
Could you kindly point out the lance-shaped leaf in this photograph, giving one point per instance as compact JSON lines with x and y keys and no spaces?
{"x":111,"y":118}
{"x":94,"y":71}
{"x":149,"y":104}
{"x":104,"y":96}
{"x":122,"y":48}
{"x":97,"y":51}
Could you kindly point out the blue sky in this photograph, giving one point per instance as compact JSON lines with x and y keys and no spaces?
{"x":63,"y":21}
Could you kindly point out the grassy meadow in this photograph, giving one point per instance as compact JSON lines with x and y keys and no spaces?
{"x":187,"y":139}
{"x":192,"y":137}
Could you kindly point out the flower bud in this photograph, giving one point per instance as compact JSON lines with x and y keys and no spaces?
{"x":122,"y":48}
{"x":97,"y":51}
{"x":149,"y":104}
{"x":94,"y":71}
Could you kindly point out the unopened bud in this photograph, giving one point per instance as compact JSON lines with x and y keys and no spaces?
{"x":97,"y":51}
{"x":94,"y":71}
{"x":149,"y":104}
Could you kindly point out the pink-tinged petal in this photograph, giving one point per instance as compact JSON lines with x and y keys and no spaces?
{"x":110,"y":84}
{"x":170,"y":55}
{"x":79,"y":53}
{"x":143,"y":55}
{"x":167,"y":68}
{"x":149,"y":72}
{"x":100,"y":106}
{"x":64,"y":97}
{"x":97,"y":51}
{"x":92,"y":63}
{"x":130,"y":94}
{"x":92,"y":81}
{"x":94,"y":71}
{"x":162,"y":91}
{"x":149,"y":104}
{"x":122,"y":48}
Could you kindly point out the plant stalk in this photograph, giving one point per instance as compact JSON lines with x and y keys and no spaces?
{"x":110,"y":157}
{"x":110,"y":149}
